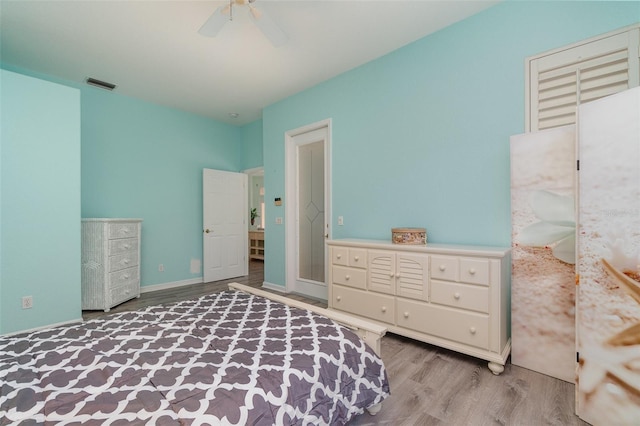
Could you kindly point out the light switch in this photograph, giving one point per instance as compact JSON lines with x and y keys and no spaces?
{"x":278,"y":221}
{"x":340,"y":220}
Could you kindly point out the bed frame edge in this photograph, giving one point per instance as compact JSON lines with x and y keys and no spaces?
{"x":370,"y":332}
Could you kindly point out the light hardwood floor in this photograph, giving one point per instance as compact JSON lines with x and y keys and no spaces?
{"x":429,"y":385}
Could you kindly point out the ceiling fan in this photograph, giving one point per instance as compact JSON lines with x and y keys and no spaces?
{"x":263,"y":21}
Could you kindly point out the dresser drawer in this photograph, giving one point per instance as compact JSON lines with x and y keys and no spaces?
{"x":123,"y":261}
{"x":459,"y":326}
{"x":340,"y":256}
{"x":122,"y":245}
{"x":474,"y":271}
{"x":351,"y":277}
{"x":124,"y":292}
{"x":123,"y":230}
{"x":374,"y":306}
{"x":121,"y":277}
{"x":356,"y":258}
{"x":444,"y":268}
{"x":462,"y":296}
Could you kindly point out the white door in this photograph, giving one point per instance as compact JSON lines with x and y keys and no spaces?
{"x":224,"y":228}
{"x":308,"y":207}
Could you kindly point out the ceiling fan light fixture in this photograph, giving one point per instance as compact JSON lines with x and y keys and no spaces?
{"x":261,"y":18}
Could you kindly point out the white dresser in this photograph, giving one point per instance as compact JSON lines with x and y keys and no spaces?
{"x":456,"y":297}
{"x":110,"y":262}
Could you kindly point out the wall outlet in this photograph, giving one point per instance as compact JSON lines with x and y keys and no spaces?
{"x":161,"y":267}
{"x":27,"y":302}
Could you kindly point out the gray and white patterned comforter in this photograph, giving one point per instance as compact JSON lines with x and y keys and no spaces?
{"x":225,"y":358}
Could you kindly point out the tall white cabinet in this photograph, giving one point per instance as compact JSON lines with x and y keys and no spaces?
{"x":456,"y":297}
{"x":110,"y":262}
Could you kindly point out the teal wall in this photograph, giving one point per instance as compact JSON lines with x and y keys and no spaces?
{"x":252,"y":145}
{"x":144,"y":160}
{"x":420,"y":137}
{"x":40,"y":197}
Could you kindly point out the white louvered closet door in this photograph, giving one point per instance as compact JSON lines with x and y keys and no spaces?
{"x":565,"y":78}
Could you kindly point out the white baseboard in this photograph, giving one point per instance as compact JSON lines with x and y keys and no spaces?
{"x":44,"y":327}
{"x":274,"y":287}
{"x":174,"y":284}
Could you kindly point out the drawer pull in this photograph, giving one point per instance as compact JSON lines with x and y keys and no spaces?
{"x":472,"y":330}
{"x":338,"y":298}
{"x":125,"y":277}
{"x":392,"y":275}
{"x":398,"y":275}
{"x":346,"y":277}
{"x":125,"y":261}
{"x":384,"y":309}
{"x":406,"y":314}
{"x":338,"y":256}
{"x":456,"y":296}
{"x":472,"y":271}
{"x":442,"y":268}
{"x":126,"y":246}
{"x":356,"y":258}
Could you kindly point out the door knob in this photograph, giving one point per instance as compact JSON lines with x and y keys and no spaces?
{"x":207,"y":230}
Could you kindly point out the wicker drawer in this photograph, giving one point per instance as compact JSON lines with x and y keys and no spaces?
{"x":123,"y":230}
{"x":124,"y":292}
{"x":459,"y":326}
{"x":351,"y":277}
{"x":122,"y":277}
{"x":122,"y":246}
{"x":123,"y":261}
{"x":370,"y":305}
{"x":464,"y":296}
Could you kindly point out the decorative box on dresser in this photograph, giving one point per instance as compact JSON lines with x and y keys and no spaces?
{"x":110,"y":262}
{"x":456,"y":297}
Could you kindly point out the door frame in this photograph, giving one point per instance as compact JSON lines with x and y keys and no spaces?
{"x":291,"y":207}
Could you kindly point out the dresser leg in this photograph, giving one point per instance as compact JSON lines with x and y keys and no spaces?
{"x":496,"y":368}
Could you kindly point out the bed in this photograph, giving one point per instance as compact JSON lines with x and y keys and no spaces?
{"x":234,"y":357}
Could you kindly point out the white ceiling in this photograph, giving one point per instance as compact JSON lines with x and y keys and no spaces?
{"x":152,"y":50}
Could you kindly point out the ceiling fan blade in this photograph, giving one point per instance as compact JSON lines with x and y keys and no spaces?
{"x":268,"y":26}
{"x":216,"y":21}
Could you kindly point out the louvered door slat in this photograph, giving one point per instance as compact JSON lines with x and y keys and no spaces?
{"x":567,"y":77}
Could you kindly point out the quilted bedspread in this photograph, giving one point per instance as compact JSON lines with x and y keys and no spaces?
{"x":225,"y":358}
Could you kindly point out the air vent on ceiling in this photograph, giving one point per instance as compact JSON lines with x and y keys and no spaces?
{"x":100,"y":84}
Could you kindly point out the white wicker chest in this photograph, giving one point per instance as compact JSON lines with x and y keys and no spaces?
{"x":110,"y":262}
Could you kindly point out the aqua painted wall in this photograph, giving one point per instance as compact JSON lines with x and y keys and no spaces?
{"x":252,"y":145}
{"x":40,"y":197}
{"x":145,"y":161}
{"x":420,"y":137}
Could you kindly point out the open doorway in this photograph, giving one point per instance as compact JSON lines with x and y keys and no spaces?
{"x":256,"y":218}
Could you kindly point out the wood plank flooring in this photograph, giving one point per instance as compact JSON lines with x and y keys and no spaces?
{"x":429,"y":385}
